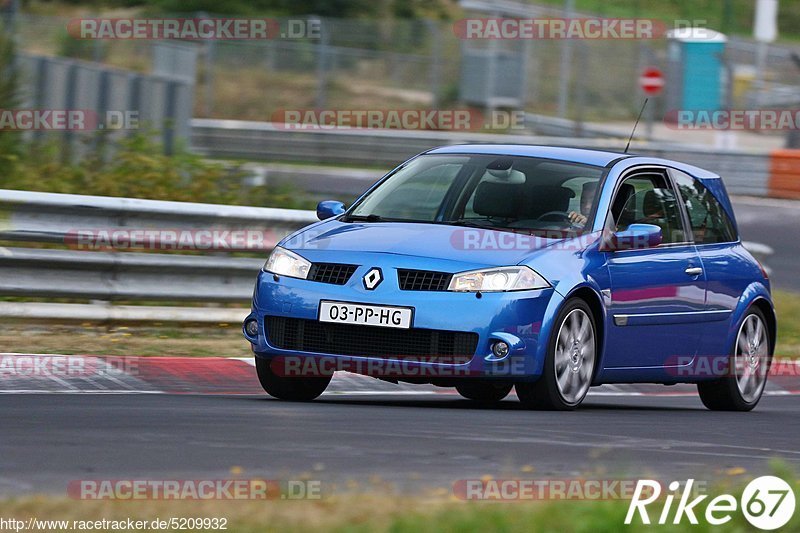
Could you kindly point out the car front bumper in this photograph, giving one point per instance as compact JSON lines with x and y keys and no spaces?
{"x":517,"y":318}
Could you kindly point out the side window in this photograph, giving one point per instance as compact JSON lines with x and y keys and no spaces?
{"x":710,"y":223}
{"x":648,"y":199}
{"x":584,"y":191}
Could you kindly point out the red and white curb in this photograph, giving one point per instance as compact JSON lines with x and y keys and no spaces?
{"x":83,"y":374}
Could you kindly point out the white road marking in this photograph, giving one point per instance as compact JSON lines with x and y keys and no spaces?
{"x":365,"y":393}
{"x":377,"y":392}
{"x":80,"y":391}
{"x":765,"y":202}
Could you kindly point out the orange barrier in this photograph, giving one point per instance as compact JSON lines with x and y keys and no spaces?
{"x":784,"y":174}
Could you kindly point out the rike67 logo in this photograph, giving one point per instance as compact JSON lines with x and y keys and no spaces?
{"x":767,"y":502}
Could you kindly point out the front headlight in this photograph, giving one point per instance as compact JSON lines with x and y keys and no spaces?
{"x":285,"y":263}
{"x":518,"y":278}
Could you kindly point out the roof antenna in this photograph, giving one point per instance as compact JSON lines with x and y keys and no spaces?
{"x":636,"y":125}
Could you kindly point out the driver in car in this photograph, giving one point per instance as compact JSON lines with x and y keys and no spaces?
{"x":587,"y":199}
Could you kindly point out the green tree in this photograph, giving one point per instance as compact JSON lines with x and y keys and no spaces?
{"x":324,"y":8}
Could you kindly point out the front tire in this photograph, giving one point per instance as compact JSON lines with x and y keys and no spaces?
{"x":289,"y":388}
{"x":484,"y":391}
{"x":569,"y":364}
{"x":744,"y":383}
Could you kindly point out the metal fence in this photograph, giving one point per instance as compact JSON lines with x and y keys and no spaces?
{"x":392,"y":63}
{"x":162,"y":103}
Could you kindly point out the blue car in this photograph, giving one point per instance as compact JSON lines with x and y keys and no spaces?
{"x":550,"y":270}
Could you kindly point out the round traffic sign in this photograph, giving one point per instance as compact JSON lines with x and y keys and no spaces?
{"x":651,"y":81}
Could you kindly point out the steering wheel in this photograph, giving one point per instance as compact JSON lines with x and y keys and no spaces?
{"x":561,"y":214}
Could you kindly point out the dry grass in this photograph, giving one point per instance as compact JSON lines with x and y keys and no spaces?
{"x":380,"y":510}
{"x":222,"y":340}
{"x":248,"y":93}
{"x":328,"y":513}
{"x":787,"y":305}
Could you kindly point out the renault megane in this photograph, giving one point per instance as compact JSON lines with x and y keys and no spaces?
{"x":550,"y":270}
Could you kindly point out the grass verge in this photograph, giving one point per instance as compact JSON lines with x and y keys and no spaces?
{"x":787,"y":305}
{"x":220,"y":340}
{"x":383,"y":511}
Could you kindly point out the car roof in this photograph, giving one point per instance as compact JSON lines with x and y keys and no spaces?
{"x":599,"y":158}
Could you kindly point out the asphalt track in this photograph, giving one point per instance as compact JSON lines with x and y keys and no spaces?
{"x":775,"y":223}
{"x":411,"y":439}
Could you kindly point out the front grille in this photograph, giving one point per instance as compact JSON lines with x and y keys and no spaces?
{"x":368,"y":341}
{"x":334,"y":273}
{"x":423,"y":280}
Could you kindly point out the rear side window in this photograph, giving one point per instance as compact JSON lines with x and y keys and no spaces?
{"x":710,"y":223}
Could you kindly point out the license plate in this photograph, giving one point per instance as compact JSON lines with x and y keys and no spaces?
{"x":365,"y":315}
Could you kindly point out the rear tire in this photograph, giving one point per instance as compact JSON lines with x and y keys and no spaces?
{"x":570,"y":362}
{"x":484,"y":391}
{"x":748,"y":368}
{"x":289,"y":388}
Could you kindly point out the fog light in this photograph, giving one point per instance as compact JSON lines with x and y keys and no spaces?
{"x":500,"y":349}
{"x":251,"y":327}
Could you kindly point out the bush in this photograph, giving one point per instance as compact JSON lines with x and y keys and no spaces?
{"x":324,"y":8}
{"x":86,"y":49}
{"x":138,"y":168}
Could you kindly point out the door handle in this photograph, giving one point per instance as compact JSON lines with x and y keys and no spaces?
{"x":693,"y":271}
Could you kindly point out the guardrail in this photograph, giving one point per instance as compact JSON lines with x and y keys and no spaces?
{"x":745,"y":173}
{"x":213,"y":276}
{"x":49,"y":218}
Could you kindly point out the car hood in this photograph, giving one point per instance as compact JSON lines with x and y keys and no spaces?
{"x":480,"y":247}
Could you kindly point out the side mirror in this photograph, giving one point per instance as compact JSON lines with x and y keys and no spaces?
{"x":636,"y":237}
{"x":329,"y":208}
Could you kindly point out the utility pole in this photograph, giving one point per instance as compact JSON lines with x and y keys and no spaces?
{"x":765,"y":31}
{"x":566,"y":66}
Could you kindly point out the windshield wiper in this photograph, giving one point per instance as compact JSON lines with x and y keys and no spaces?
{"x":363,"y":218}
{"x":468,"y":223}
{"x":472,"y":223}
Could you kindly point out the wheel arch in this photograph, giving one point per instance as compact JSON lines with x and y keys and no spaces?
{"x":755,"y":295}
{"x":595,"y":303}
{"x":772,"y":320}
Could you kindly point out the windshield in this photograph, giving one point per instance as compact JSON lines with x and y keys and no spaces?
{"x":487,"y":191}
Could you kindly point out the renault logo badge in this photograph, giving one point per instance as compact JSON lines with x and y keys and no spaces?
{"x":373,"y":278}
